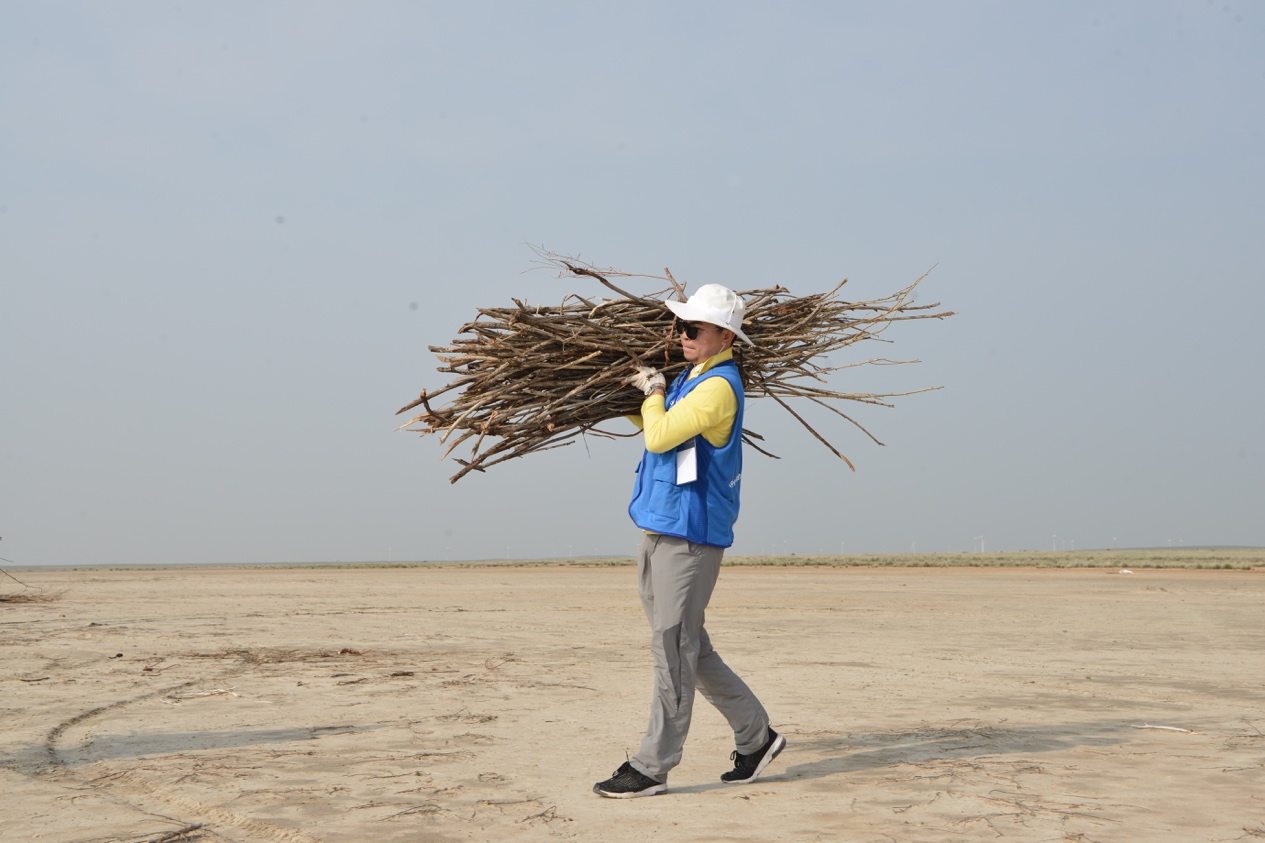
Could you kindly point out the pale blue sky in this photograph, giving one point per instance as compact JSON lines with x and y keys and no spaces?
{"x":214,"y":219}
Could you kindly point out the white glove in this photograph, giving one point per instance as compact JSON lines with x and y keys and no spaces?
{"x":647,"y":378}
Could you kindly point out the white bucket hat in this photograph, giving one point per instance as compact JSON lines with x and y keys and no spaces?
{"x":715,"y":305}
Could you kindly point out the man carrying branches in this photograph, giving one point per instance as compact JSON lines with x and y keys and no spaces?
{"x":686,"y":500}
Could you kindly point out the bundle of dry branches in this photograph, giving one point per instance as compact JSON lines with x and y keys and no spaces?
{"x":532,"y":378}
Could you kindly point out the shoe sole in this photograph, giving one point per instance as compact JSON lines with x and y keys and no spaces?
{"x":774,"y":752}
{"x":650,"y":791}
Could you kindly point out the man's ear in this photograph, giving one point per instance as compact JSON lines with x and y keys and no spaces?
{"x":729,"y":341}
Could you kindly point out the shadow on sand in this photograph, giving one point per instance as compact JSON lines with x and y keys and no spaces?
{"x":834,"y":753}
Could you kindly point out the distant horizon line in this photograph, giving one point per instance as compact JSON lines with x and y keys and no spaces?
{"x":387,"y":563}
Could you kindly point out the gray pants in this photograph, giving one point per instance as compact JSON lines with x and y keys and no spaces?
{"x":676,"y":579}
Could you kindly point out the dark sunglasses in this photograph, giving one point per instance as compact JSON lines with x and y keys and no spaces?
{"x":690,"y":330}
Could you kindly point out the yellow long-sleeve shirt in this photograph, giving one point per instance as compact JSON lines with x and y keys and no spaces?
{"x":710,"y":409}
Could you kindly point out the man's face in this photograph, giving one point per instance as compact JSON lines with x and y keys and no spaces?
{"x":709,"y":340}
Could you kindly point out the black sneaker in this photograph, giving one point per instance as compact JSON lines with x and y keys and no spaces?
{"x":747,"y":767}
{"x":627,"y":783}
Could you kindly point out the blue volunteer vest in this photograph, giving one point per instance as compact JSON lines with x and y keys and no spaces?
{"x":705,"y":510}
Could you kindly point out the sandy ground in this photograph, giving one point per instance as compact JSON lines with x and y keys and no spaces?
{"x":442,"y":704}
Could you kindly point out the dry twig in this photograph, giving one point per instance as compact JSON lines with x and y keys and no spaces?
{"x":175,"y":699}
{"x":534,"y":377}
{"x":174,"y":835}
{"x":26,"y":597}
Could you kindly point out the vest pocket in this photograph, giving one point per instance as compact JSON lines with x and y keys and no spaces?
{"x":665,"y":496}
